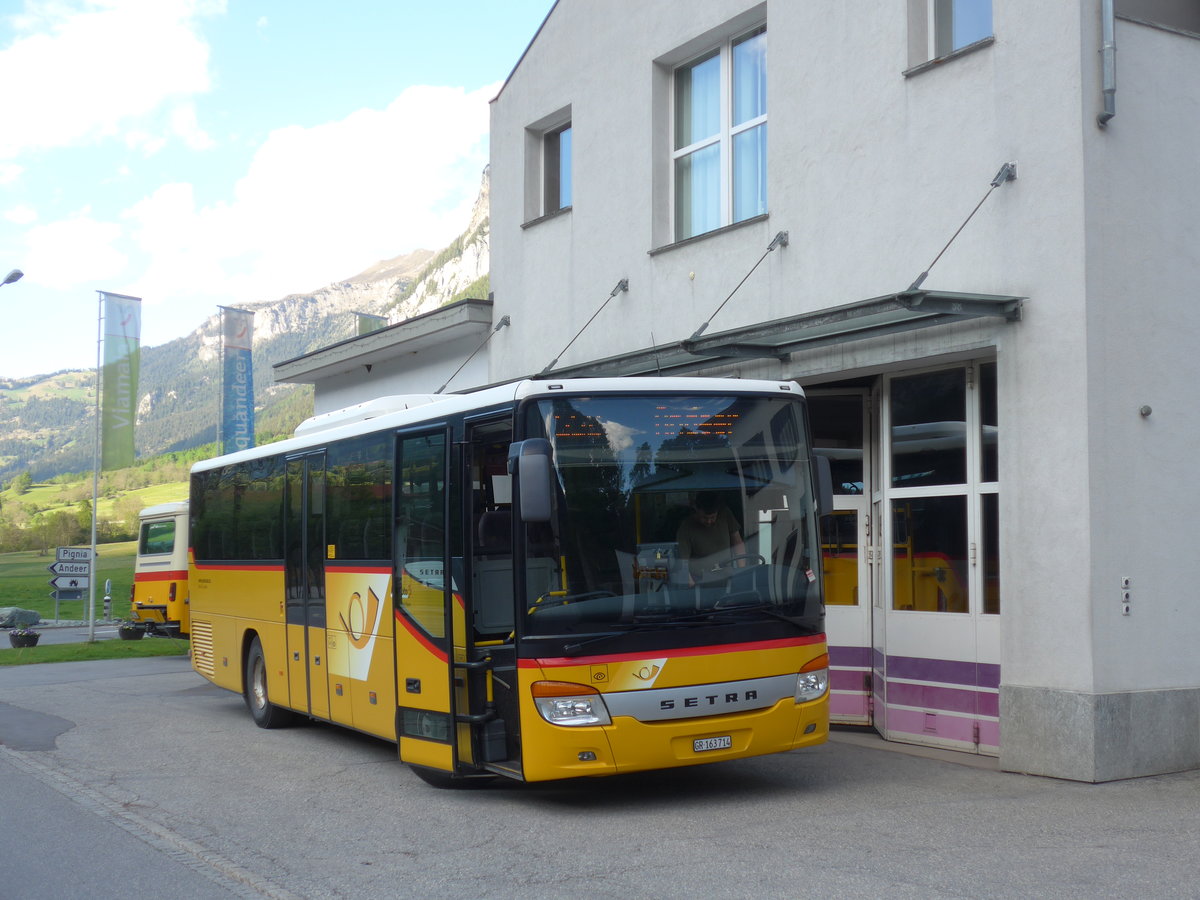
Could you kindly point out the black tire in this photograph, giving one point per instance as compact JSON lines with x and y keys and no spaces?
{"x":265,"y":713}
{"x":446,"y":781}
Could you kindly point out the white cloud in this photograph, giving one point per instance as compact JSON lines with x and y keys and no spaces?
{"x":186,"y":126}
{"x":87,"y":66}
{"x":10,"y":173}
{"x":322,"y":203}
{"x":21,"y":215}
{"x":74,"y":251}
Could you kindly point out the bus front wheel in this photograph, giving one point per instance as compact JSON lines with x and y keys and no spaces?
{"x":265,"y":713}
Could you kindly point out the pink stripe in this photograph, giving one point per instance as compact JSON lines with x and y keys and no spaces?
{"x":922,"y":726}
{"x":942,"y":698}
{"x":847,"y":705}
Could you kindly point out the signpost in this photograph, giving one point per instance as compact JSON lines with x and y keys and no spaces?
{"x":70,"y":568}
{"x":71,"y":582}
{"x":74,"y":554}
{"x":72,"y":573}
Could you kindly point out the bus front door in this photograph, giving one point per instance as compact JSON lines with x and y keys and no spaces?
{"x":427,"y":595}
{"x":485,"y":653}
{"x":455,"y":652}
{"x":304,"y":564}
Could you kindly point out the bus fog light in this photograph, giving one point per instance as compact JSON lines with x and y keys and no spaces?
{"x":812,"y":685}
{"x":562,"y":703}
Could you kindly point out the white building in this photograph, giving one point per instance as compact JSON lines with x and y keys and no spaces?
{"x":1014,"y":570}
{"x":441,"y":350}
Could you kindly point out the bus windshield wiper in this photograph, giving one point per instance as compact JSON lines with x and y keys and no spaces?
{"x":624,"y":628}
{"x":760,"y":607}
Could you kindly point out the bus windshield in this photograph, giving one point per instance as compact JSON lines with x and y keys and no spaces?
{"x":672,"y":512}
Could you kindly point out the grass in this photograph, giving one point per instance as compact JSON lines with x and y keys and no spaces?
{"x":25,"y":582}
{"x":52,"y":653}
{"x":55,"y":496}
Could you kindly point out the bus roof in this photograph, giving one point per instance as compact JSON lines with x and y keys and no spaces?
{"x":173,"y":508}
{"x":449,"y":405}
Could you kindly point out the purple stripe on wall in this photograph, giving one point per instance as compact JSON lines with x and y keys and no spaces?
{"x":850,"y":656}
{"x":928,"y":697}
{"x":946,"y":671}
{"x":848,"y":680}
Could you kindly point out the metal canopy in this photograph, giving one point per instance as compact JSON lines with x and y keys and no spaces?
{"x":778,"y":339}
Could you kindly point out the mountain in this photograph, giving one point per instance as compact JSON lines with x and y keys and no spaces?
{"x":47,"y":423}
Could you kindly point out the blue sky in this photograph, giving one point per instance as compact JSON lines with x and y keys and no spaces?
{"x":204,"y":152}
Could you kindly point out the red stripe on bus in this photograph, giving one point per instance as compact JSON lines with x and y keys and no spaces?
{"x":420,"y":637}
{"x":711,"y":650}
{"x":180,"y":575}
{"x":236,"y":567}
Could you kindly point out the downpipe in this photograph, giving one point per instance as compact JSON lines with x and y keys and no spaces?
{"x":1108,"y":62}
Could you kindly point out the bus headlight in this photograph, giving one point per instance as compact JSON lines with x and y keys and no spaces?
{"x":565,"y":703}
{"x":813,"y":680}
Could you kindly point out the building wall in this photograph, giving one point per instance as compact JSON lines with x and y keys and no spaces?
{"x":870,"y":173}
{"x":411,"y":373}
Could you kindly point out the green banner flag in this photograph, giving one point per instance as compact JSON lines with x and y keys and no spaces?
{"x":368,"y":323}
{"x":122,"y":334}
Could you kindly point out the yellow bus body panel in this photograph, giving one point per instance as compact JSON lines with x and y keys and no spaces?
{"x":627,"y":745}
{"x":221,"y":596}
{"x":360,"y":650}
{"x":431,"y":754}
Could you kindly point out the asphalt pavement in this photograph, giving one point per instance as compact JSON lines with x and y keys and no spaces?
{"x":156,"y":752}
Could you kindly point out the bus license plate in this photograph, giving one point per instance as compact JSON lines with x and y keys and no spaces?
{"x":714,"y":743}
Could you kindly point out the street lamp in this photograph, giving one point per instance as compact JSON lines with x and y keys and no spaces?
{"x":14,"y":275}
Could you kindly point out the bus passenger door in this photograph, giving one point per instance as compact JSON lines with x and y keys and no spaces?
{"x":485,"y":656}
{"x":425,"y":594}
{"x":304,"y":564}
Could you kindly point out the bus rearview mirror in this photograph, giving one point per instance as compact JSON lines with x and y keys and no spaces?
{"x":529,"y":460}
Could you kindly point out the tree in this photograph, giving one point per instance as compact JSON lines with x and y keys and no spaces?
{"x":22,"y":483}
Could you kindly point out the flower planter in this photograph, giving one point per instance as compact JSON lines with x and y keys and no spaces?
{"x":131,"y":632}
{"x":23,"y":640}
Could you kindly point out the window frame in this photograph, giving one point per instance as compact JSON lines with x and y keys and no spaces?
{"x":553,"y":169}
{"x":540,"y":138}
{"x":724,"y":137}
{"x":942,"y":14}
{"x":926,"y":20}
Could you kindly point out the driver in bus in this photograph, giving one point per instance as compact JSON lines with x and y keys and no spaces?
{"x":709,"y":540}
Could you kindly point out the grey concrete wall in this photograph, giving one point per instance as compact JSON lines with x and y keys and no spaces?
{"x":1099,"y":737}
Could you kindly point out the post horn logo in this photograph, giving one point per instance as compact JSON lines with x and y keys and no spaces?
{"x":360,"y":621}
{"x":647,"y":673}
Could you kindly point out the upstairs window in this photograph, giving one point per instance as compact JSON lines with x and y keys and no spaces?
{"x":556,"y":169}
{"x":720,"y":136}
{"x":958,"y":23}
{"x":549,"y":166}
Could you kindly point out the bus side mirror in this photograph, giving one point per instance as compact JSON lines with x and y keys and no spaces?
{"x":530,"y":461}
{"x":824,"y":485}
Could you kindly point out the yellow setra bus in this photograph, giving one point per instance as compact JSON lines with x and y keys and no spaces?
{"x":496,"y":580}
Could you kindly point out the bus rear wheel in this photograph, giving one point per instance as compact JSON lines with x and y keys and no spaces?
{"x":265,"y":713}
